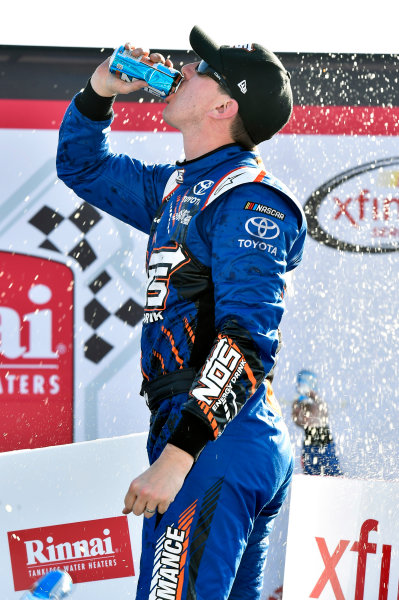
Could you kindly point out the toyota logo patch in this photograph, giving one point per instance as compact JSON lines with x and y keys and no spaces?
{"x":262,"y":228}
{"x":202,"y":187}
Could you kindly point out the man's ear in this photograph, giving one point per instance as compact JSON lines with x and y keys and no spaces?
{"x":225,"y":109}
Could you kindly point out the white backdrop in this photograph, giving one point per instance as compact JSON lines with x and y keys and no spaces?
{"x":341,"y":320}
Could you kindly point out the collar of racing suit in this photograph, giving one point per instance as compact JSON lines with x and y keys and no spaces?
{"x":191,"y":170}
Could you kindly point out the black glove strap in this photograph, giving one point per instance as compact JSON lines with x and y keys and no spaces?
{"x":167,"y":386}
{"x":93,"y":106}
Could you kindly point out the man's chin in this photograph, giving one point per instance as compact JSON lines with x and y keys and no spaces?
{"x":168,"y":118}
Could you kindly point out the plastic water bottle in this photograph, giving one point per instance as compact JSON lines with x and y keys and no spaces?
{"x":55,"y":585}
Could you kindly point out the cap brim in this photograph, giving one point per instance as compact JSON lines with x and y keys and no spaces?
{"x":206,"y":48}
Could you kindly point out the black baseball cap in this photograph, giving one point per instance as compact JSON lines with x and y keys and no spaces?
{"x":257,"y":80}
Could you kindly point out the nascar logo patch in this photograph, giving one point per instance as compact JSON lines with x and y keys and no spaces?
{"x":265,"y":210}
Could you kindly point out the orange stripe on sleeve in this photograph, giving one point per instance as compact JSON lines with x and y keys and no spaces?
{"x":207,"y":412}
{"x":159,"y":357}
{"x":260,"y":177}
{"x":189,"y":330}
{"x":178,"y":358}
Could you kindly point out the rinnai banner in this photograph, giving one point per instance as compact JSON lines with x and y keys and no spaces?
{"x":61,"y":508}
{"x":343,"y":540}
{"x":37,"y":351}
{"x":91,"y":550}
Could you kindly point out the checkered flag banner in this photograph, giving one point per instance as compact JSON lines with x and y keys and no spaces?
{"x":54,"y":223}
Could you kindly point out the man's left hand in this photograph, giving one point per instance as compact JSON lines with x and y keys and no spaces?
{"x":156,"y":488}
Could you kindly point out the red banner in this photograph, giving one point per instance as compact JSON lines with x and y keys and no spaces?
{"x":147,"y":116}
{"x":36,"y":352}
{"x":89,"y":551}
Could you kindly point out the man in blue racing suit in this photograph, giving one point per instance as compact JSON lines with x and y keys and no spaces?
{"x":223,"y":233}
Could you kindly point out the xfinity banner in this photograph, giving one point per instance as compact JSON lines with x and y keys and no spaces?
{"x":347,"y":545}
{"x":358,"y":210}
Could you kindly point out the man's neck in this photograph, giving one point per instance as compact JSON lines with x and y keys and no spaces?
{"x":196,"y":145}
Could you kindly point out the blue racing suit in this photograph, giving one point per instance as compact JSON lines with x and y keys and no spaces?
{"x":222,"y":235}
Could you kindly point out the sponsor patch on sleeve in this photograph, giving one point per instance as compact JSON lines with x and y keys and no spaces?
{"x":266,"y":210}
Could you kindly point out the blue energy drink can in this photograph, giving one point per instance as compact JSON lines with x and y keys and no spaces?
{"x":161,"y":80}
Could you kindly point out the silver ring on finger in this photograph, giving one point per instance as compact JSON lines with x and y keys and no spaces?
{"x":149,"y":510}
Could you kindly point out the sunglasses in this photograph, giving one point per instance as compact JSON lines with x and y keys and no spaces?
{"x":204,"y":69}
